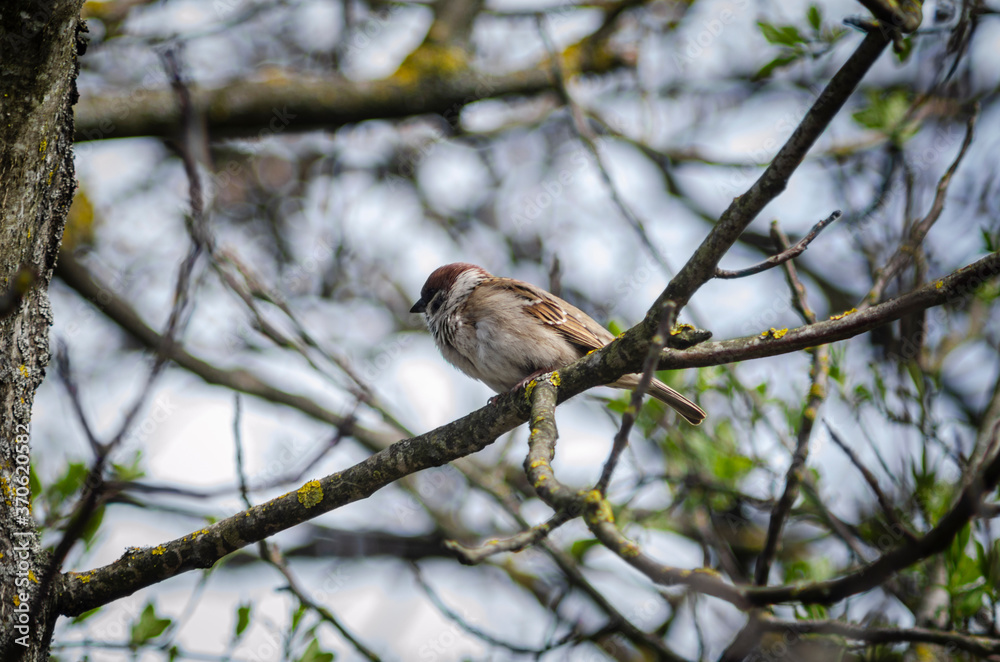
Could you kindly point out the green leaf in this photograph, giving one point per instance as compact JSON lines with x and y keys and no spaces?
{"x":129,"y":472}
{"x":782,"y":35}
{"x":314,"y":654}
{"x":968,"y":603}
{"x":297,"y":616}
{"x":989,"y":243}
{"x":242,"y":619}
{"x":815,"y":17}
{"x":887,"y":112}
{"x":149,"y":626}
{"x":580,"y":547}
{"x":85,"y":615}
{"x":731,"y":467}
{"x":903,"y":48}
{"x":618,"y":405}
{"x":93,"y":524}
{"x":780,"y":61}
{"x":615,"y":328}
{"x":34,"y":482}
{"x":69,"y":483}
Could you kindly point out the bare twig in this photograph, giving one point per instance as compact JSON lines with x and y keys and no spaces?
{"x":477,"y":632}
{"x":94,"y":485}
{"x":272,"y":556}
{"x":819,"y":376}
{"x":238,"y":442}
{"x":883,"y":500}
{"x":782,"y":257}
{"x":977,"y":645}
{"x":920,"y":229}
{"x":656,"y":345}
{"x":515,"y":543}
{"x":589,"y":140}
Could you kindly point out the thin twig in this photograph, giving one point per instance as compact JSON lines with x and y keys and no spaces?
{"x":919,"y":230}
{"x":819,"y":376}
{"x":65,"y":372}
{"x":515,"y":543}
{"x":789,"y":253}
{"x":238,"y":441}
{"x":94,"y":485}
{"x":273,"y":557}
{"x":461,"y":622}
{"x":656,"y":345}
{"x":977,"y":645}
{"x":883,"y":500}
{"x":588,"y":138}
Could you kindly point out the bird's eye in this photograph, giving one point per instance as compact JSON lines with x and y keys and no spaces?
{"x":435,"y":303}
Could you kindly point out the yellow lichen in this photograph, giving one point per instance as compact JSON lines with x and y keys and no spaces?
{"x":630,"y":550}
{"x":555,"y":378}
{"x":939,"y":284}
{"x":23,"y":370}
{"x":707,"y":571}
{"x":844,"y":314}
{"x":159,"y":550}
{"x":310,"y":494}
{"x":431,"y":61}
{"x":773,"y":333}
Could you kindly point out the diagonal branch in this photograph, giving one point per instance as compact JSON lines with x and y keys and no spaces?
{"x":700,"y":268}
{"x":137,"y":569}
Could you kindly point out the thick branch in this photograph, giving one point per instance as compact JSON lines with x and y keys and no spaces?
{"x":140,"y":568}
{"x":263,"y":108}
{"x":903,"y":14}
{"x":981,"y":646}
{"x":954,"y":290}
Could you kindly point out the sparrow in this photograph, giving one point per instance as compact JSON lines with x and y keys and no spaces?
{"x":503,"y":332}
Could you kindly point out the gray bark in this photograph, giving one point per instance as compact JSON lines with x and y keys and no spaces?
{"x":38,"y":65}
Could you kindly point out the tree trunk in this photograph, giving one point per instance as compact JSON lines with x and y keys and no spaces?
{"x":39,"y":44}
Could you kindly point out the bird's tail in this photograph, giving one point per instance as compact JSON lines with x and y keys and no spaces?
{"x":691,"y":412}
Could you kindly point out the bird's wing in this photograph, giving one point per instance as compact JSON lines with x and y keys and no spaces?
{"x":575,"y":325}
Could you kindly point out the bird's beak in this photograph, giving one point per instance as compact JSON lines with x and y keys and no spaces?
{"x":419,"y":307}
